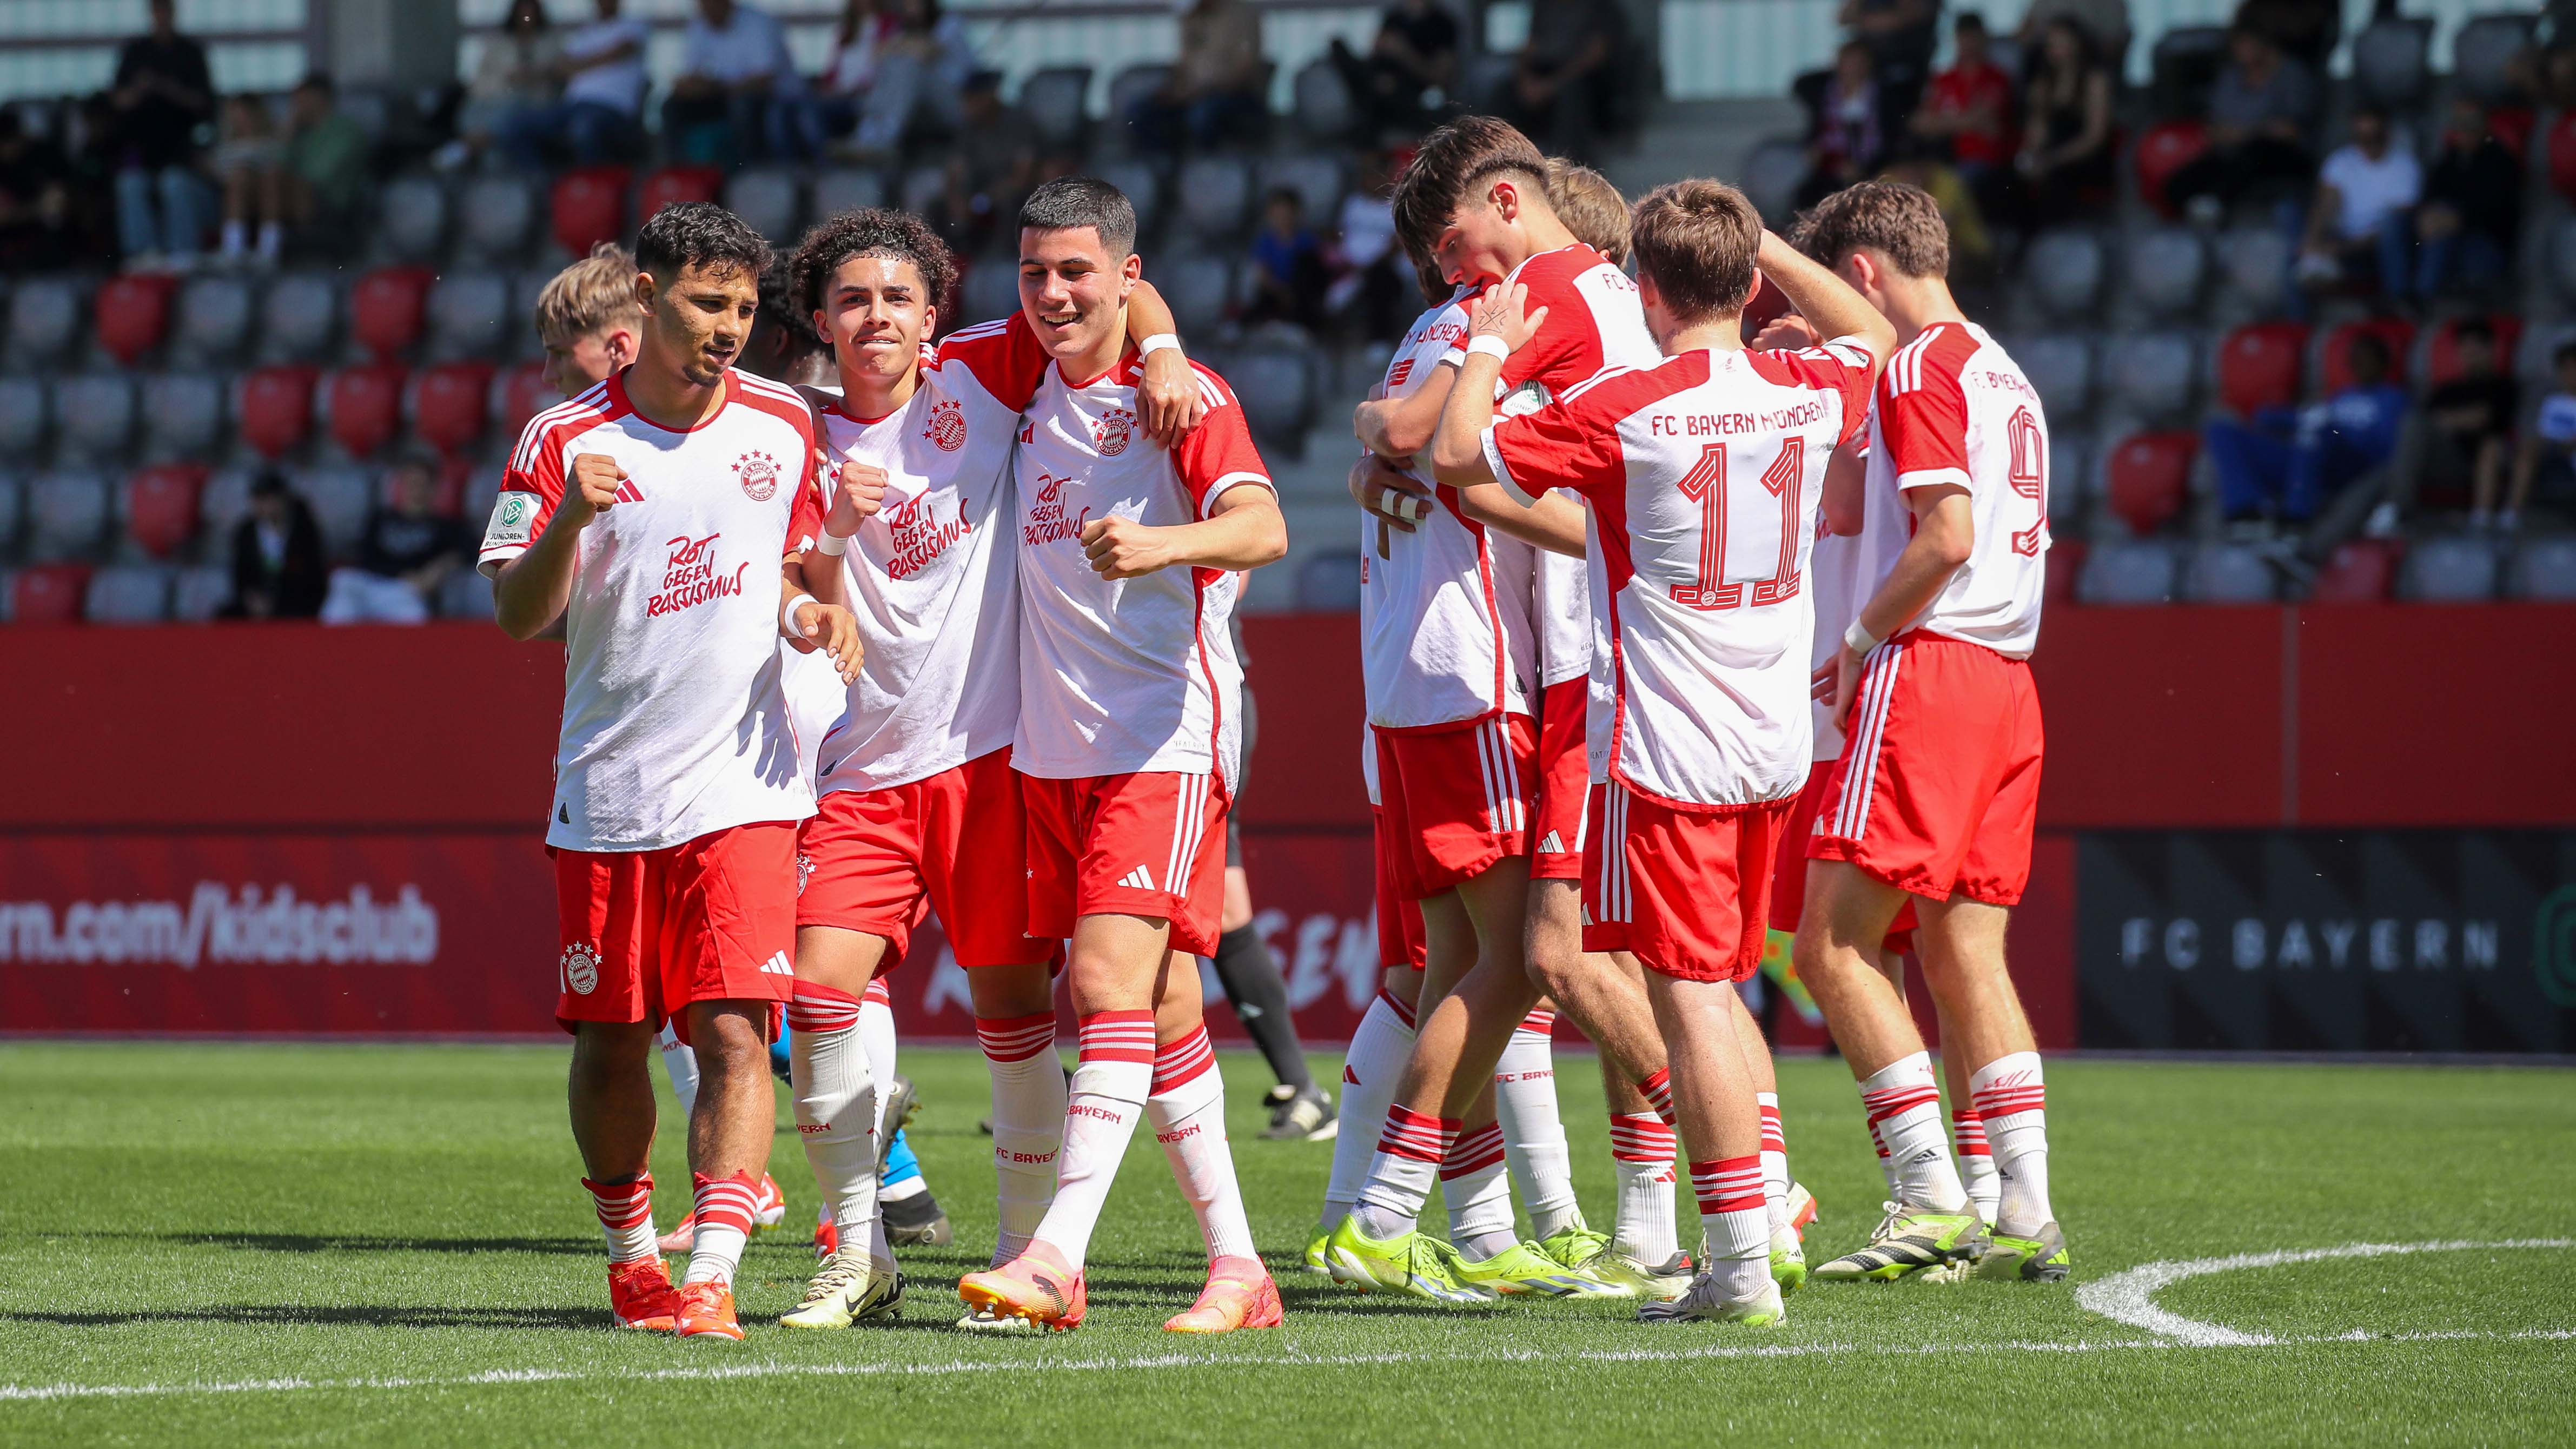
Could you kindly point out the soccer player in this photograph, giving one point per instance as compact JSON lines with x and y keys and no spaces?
{"x":1127,"y":747}
{"x":650,"y":513}
{"x":1938,"y":783}
{"x":918,"y":806}
{"x":1696,"y":473}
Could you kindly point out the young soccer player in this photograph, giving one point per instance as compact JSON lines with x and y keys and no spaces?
{"x":1938,"y":783}
{"x":649,"y":514}
{"x":1130,"y":556}
{"x":1697,"y":475}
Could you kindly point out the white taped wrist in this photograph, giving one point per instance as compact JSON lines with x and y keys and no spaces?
{"x":1157,"y":343}
{"x":1491,"y":346}
{"x":787,"y":614}
{"x":831,"y":543}
{"x":1859,"y":640}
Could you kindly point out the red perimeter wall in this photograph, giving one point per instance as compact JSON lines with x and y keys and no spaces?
{"x":219,"y":825}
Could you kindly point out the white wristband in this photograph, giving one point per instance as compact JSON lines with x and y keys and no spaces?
{"x":787,"y":615}
{"x":1491,"y":346}
{"x":831,"y":543}
{"x":1157,"y":343}
{"x":1859,"y":640}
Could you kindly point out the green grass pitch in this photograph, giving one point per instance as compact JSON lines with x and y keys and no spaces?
{"x":211,"y":1245}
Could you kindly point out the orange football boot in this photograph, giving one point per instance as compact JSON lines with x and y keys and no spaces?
{"x":1239,"y":1294}
{"x":1034,"y":1288}
{"x":706,"y":1311}
{"x":640,"y":1296}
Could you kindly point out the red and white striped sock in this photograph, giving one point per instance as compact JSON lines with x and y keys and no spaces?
{"x":1110,"y":1085}
{"x":1410,"y":1149}
{"x":836,"y":1104}
{"x":626,"y":1215}
{"x":1976,"y":1161}
{"x":2010,"y":1095}
{"x":1187,"y":1107}
{"x":1658,"y":1092}
{"x":1028,"y":1122}
{"x":1886,"y":1164}
{"x":1479,"y":1192}
{"x":1775,"y":1159}
{"x":1378,"y":1052}
{"x":1904,"y":1103}
{"x":1641,"y":1154}
{"x":725,"y":1207}
{"x":1533,"y":1131}
{"x":1735,"y":1221}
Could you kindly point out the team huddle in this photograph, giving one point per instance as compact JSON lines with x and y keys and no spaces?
{"x":1611,"y":553}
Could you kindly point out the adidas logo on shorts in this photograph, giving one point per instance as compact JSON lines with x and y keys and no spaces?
{"x":1553,"y":845}
{"x":1138,"y":879}
{"x":777,"y":965}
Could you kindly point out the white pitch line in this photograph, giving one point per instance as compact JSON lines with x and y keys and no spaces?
{"x":2130,"y":1297}
{"x":44,"y":1393}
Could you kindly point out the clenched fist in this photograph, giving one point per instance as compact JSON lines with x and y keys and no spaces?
{"x":1122,"y":548}
{"x":859,"y":495}
{"x":595,"y":477}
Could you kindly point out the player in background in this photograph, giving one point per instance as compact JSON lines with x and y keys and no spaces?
{"x":1695,"y":475}
{"x":1938,"y":783}
{"x":918,"y":807}
{"x":1127,"y":747}
{"x":648,"y":514}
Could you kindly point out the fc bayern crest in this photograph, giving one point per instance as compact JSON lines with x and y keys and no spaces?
{"x":759,"y":474}
{"x":947,"y":427}
{"x":1111,"y":433}
{"x":580,"y":969}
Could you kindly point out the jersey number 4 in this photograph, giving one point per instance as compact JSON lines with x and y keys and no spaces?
{"x":1705,"y":485}
{"x":2029,"y":477}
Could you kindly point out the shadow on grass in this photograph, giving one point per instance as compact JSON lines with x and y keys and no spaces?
{"x":584,"y":1246}
{"x":347,"y":1315}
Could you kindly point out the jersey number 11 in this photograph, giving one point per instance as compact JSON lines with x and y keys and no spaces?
{"x":1705,"y":485}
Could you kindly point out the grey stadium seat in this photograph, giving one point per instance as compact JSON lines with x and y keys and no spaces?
{"x":13,"y":511}
{"x":482,"y":489}
{"x":465,"y":595}
{"x":2128,"y":571}
{"x":1328,"y":582}
{"x":2165,"y":268}
{"x":299,"y":317}
{"x":94,"y":412}
{"x":1316,"y":179}
{"x":1128,"y":87}
{"x":1362,"y":366}
{"x":767,"y":199}
{"x":1144,"y":187}
{"x":2229,"y":573}
{"x":1055,"y":99}
{"x":183,"y":412}
{"x":923,"y":188}
{"x":341,"y":499}
{"x":2449,"y":571}
{"x":1322,"y":101}
{"x":214,"y":318}
{"x":992,"y":289}
{"x":1771,"y":176}
{"x":2482,"y":53}
{"x":1276,"y":386}
{"x":1216,"y":196}
{"x":2562,"y":256}
{"x":24,"y":414}
{"x":2070,"y":477}
{"x":2544,"y":568}
{"x":44,"y":317}
{"x":2389,"y":61}
{"x":198,"y":594}
{"x":223,"y":502}
{"x":411,"y":217}
{"x":1200,"y":289}
{"x":2064,"y":268}
{"x":2153,"y":375}
{"x":67,"y":514}
{"x":499,"y":214}
{"x":132,"y":594}
{"x":2255,"y":261}
{"x":2062,"y":369}
{"x":847,"y":189}
{"x":2531,"y":356}
{"x":470,"y":315}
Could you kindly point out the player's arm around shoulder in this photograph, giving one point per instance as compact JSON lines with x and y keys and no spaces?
{"x":1500,"y":324}
{"x":532,"y":590}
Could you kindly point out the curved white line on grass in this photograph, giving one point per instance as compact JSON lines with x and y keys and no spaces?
{"x":43,"y":1393}
{"x":2129,"y":1297}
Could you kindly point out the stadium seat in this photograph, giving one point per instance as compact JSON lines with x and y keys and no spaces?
{"x":2452,"y":570}
{"x":341,"y":499}
{"x":389,"y":309}
{"x":132,"y":315}
{"x":991,"y":289}
{"x":455,"y":479}
{"x":2063,"y":567}
{"x":2358,"y":572}
{"x":224,"y":502}
{"x":214,"y":317}
{"x":44,"y":317}
{"x":1328,"y":582}
{"x":198,"y":594}
{"x":2228,"y":573}
{"x":2148,"y":477}
{"x":2334,"y":351}
{"x":2061,"y":367}
{"x":2154,"y":375}
{"x":474,"y":503}
{"x":924,"y":188}
{"x":496,"y":215}
{"x":128,"y":594}
{"x":2161,"y":151}
{"x":2070,"y":477}
{"x":466,"y":594}
{"x":1362,"y":366}
{"x":275,"y":410}
{"x":411,"y":217}
{"x":1128,"y":87}
{"x":470,"y":315}
{"x":363,"y":405}
{"x":67,"y":515}
{"x":451,"y":405}
{"x":183,"y":412}
{"x":2482,"y":54}
{"x":13,"y":511}
{"x":587,"y":207}
{"x":1055,"y":100}
{"x":2064,"y":270}
{"x":48,"y":594}
{"x":1317,"y":180}
{"x":2390,"y":62}
{"x":518,"y":394}
{"x":1200,"y":289}
{"x":848,"y":189}
{"x":1321,"y":101}
{"x":2512,"y":126}
{"x":2255,"y":262}
{"x":2441,"y":360}
{"x":2127,"y":571}
{"x":2561,"y":263}
{"x":1216,"y":196}
{"x":161,"y":505}
{"x":1144,"y":187}
{"x":767,"y":200}
{"x":24,"y":415}
{"x":1772,"y":171}
{"x":2165,"y":268}
{"x":2543,"y":568}
{"x":298,"y":317}
{"x":94,"y":413}
{"x":2259,"y":366}
{"x":672,"y":185}
{"x":1276,"y":386}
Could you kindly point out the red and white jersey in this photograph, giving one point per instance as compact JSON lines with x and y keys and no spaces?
{"x":674,"y":721}
{"x":934,"y":577}
{"x":1561,"y":614}
{"x":1445,"y":633}
{"x":1702,"y":475}
{"x":1134,"y":674}
{"x":1954,"y":408}
{"x":1833,"y":583}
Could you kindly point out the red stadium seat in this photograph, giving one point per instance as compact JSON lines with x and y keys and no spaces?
{"x":2259,"y":366}
{"x":2334,"y":358}
{"x":366,"y":406}
{"x":2358,"y":572}
{"x":2162,"y":151}
{"x":161,"y":506}
{"x":387,"y":309}
{"x":520,"y":393}
{"x":2065,"y":564}
{"x":2150,"y":474}
{"x":2513,"y":126}
{"x":455,"y":475}
{"x":675,"y":184}
{"x":133,"y":315}
{"x":2561,"y":143}
{"x":48,"y":594}
{"x":452,"y":405}
{"x":2442,"y":349}
{"x":276,"y":409}
{"x":589,"y":207}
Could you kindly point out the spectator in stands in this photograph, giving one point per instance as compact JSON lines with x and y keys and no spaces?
{"x":408,"y":550}
{"x":2065,"y":161}
{"x":36,"y":222}
{"x":520,"y":71}
{"x":2472,"y":209}
{"x":1414,"y":56}
{"x":250,"y":161}
{"x":2105,"y":23}
{"x":1373,"y":289}
{"x":991,"y":165}
{"x":599,"y":114}
{"x":2544,"y":71}
{"x":2362,"y":216}
{"x":2259,"y":113}
{"x":2460,"y":441}
{"x":1968,"y":113}
{"x":1901,"y":36}
{"x":589,"y":320}
{"x":1215,"y":90}
{"x":1287,"y":265}
{"x":2304,"y":30}
{"x":1567,"y":88}
{"x":326,"y":161}
{"x":831,"y":106}
{"x":1972,"y":246}
{"x":2285,"y":463}
{"x":735,"y":97}
{"x":921,"y":76}
{"x":2546,"y":460}
{"x":162,"y":93}
{"x":1846,"y":126}
{"x":277,"y":556}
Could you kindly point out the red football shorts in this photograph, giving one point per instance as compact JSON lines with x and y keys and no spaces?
{"x":1684,"y":891}
{"x":1938,"y":786}
{"x":1564,"y":781}
{"x":1455,"y":801}
{"x":646,"y":932}
{"x":1399,"y":921}
{"x":955,"y":842}
{"x":1145,"y":844}
{"x":1789,"y":867}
